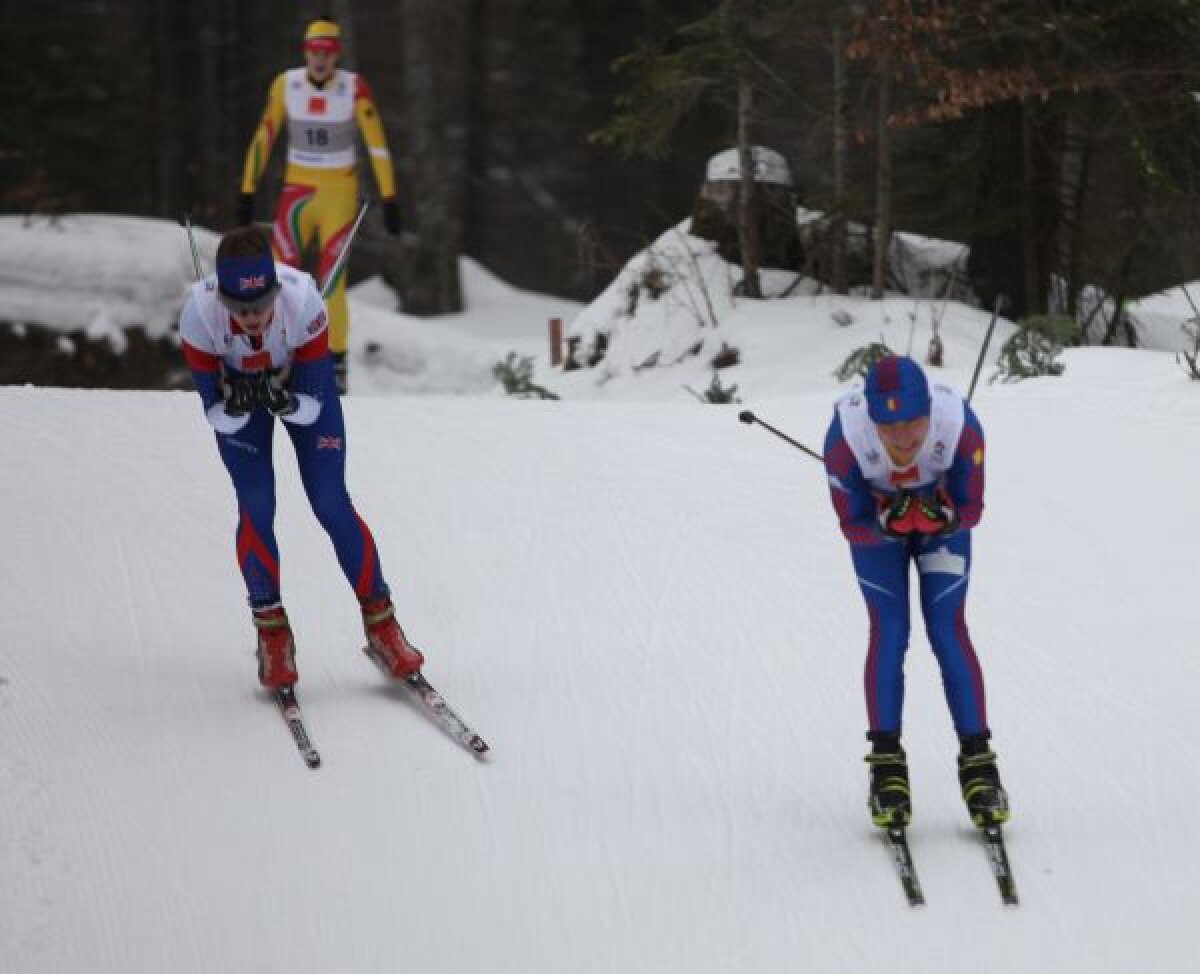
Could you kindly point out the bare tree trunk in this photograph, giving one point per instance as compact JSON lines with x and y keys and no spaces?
{"x":344,"y":16}
{"x":209,"y":108}
{"x":164,"y":99}
{"x":1035,"y":298}
{"x":436,"y":41}
{"x":748,"y":221}
{"x":1072,"y":186}
{"x":883,"y":182}
{"x":837,"y":243}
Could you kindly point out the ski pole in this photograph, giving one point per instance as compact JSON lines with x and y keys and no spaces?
{"x":749,"y":418}
{"x":1000,"y":305}
{"x":337,"y":265}
{"x":187,"y":222}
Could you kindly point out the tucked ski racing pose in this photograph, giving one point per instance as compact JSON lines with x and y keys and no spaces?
{"x":256,"y":339}
{"x":906,"y":471}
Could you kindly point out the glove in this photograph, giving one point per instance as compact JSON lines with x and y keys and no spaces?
{"x":245,"y":209}
{"x":934,"y":514}
{"x":896,"y":516}
{"x":392,"y":220}
{"x":239,"y":395}
{"x":274,"y":394}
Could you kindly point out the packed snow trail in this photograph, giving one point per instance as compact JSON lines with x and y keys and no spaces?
{"x":648,"y":612}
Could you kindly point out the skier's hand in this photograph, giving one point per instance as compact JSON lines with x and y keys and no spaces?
{"x":239,"y":394}
{"x":273,"y":392}
{"x":245,"y":209}
{"x":934,"y":514}
{"x":393,"y":221}
{"x":222,"y":422}
{"x":896,"y":516}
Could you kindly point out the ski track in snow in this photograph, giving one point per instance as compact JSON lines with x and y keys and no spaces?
{"x":648,"y":613}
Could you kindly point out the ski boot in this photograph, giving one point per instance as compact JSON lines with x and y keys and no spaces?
{"x":276,"y":649}
{"x":889,"y":799}
{"x":386,"y":642}
{"x":987,"y":802}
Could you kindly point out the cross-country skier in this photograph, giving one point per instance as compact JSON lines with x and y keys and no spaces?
{"x":905,"y":465}
{"x":322,"y":107}
{"x":256,"y":340}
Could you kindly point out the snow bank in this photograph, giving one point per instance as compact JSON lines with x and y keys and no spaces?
{"x":96,"y":272}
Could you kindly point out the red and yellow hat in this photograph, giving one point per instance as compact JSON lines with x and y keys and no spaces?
{"x":323,"y":35}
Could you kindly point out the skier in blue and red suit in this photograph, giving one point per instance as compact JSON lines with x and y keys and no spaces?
{"x":256,"y":339}
{"x":906,"y":469}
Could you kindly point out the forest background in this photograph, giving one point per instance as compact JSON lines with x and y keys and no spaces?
{"x":552,"y":139}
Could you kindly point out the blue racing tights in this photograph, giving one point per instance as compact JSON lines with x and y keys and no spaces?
{"x":943,"y":570}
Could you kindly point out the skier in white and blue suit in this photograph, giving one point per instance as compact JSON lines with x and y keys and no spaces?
{"x":256,"y":339}
{"x":906,"y":472}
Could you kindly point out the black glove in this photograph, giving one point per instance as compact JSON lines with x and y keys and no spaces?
{"x":392,"y":220}
{"x":245,"y":209}
{"x":896,"y":516}
{"x":240,"y":394}
{"x":274,"y":394}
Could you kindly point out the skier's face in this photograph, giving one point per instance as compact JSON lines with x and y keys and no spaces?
{"x":903,"y":440}
{"x":254,"y":323}
{"x":320,"y":64}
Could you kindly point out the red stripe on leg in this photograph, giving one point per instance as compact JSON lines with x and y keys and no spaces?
{"x":249,"y":543}
{"x":366,"y":576}
{"x":871,"y":673}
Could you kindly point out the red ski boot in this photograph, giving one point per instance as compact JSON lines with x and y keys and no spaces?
{"x":386,"y":641}
{"x":276,"y":650}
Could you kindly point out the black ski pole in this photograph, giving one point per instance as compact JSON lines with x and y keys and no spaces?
{"x":1000,"y":305}
{"x":748,"y":417}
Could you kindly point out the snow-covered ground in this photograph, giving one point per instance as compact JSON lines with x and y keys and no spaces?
{"x":397,"y":354}
{"x":1159,"y":318}
{"x":648,"y":611}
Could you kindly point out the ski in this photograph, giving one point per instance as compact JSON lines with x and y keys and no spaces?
{"x":897,"y":840}
{"x":289,"y":707}
{"x":434,"y":704}
{"x":441,"y":712}
{"x":998,"y":859}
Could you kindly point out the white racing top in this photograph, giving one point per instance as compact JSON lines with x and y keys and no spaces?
{"x":946,"y":418}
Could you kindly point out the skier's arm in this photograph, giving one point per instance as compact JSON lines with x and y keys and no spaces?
{"x":311,"y":379}
{"x":964,"y":479}
{"x":853,"y":499}
{"x":201,"y":355}
{"x":268,"y":129}
{"x":371,"y":127}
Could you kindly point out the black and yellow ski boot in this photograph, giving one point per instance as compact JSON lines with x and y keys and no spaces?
{"x":987,"y":801}
{"x":889,"y":799}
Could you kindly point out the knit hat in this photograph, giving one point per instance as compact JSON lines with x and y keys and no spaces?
{"x":323,"y":35}
{"x":896,"y":390}
{"x":247,"y":283}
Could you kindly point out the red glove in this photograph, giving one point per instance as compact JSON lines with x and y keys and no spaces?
{"x":934,"y":514}
{"x":897,"y":516}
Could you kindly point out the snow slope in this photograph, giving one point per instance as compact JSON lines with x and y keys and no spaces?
{"x":648,"y":612}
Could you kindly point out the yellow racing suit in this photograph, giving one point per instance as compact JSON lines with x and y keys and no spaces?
{"x":320,"y":193}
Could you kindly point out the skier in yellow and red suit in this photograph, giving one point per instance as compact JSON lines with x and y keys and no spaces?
{"x":322,"y":106}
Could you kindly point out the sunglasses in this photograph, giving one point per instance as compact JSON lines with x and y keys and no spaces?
{"x":239,"y":307}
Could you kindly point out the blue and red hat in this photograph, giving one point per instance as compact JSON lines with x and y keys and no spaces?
{"x":896,"y":390}
{"x":246,"y":284}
